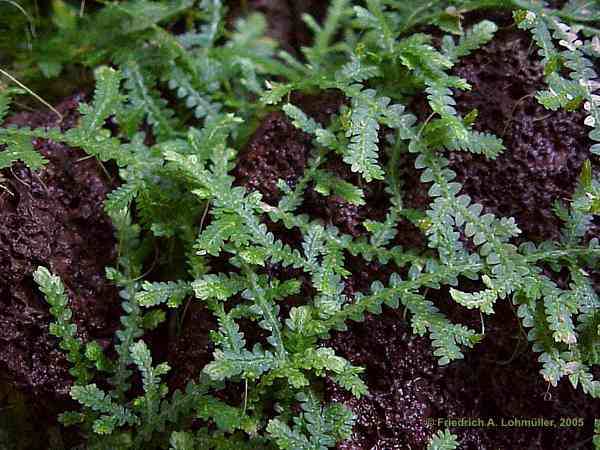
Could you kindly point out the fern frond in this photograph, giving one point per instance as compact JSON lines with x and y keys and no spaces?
{"x":417,"y":54}
{"x":446,"y":337}
{"x":269,"y":312}
{"x":275,"y":92}
{"x":4,"y":104}
{"x":483,"y":300}
{"x":214,"y":236}
{"x":327,"y":184}
{"x":132,"y":329}
{"x":171,"y":293}
{"x":356,"y":71}
{"x":300,"y":120}
{"x":107,"y":99}
{"x":323,"y":426}
{"x":582,"y":85}
{"x":120,"y":199}
{"x":362,"y":151}
{"x":19,"y":148}
{"x":144,"y":14}
{"x":479,"y":143}
{"x":141,"y":96}
{"x":383,"y":232}
{"x":560,"y":307}
{"x":63,"y":328}
{"x":479,"y":35}
{"x":211,"y":30}
{"x":581,"y":11}
{"x":374,"y":17}
{"x":244,"y":363}
{"x":111,"y":415}
{"x":89,"y":135}
{"x":198,"y":102}
{"x":219,"y":286}
{"x":149,"y":403}
{"x":337,"y":11}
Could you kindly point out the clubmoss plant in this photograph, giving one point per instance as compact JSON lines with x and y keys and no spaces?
{"x":201,"y":92}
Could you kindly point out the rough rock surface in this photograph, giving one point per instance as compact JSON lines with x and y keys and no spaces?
{"x":277,"y":150}
{"x":53,"y":218}
{"x":498,"y":379}
{"x":545,"y":150}
{"x":189,"y":349}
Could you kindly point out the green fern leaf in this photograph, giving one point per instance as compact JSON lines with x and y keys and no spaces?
{"x":362,"y":151}
{"x":144,"y":14}
{"x":581,"y":11}
{"x":181,"y":440}
{"x":356,"y":71}
{"x":275,"y":92}
{"x":212,"y":29}
{"x":480,"y":143}
{"x":248,"y":364}
{"x":20,"y":148}
{"x":198,"y":102}
{"x":113,"y":416}
{"x":149,"y":403}
{"x":301,"y":120}
{"x":171,"y":293}
{"x":336,"y":13}
{"x":480,"y":34}
{"x":63,"y":328}
{"x":4,"y":104}
{"x":141,"y":96}
{"x":106,"y":100}
{"x":323,"y":426}
{"x":219,"y":287}
{"x":327,"y":184}
{"x":483,"y":300}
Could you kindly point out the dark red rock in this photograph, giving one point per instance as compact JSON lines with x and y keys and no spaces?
{"x":190,"y":348}
{"x":55,"y":218}
{"x":545,"y":150}
{"x":277,"y":150}
{"x":409,"y":392}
